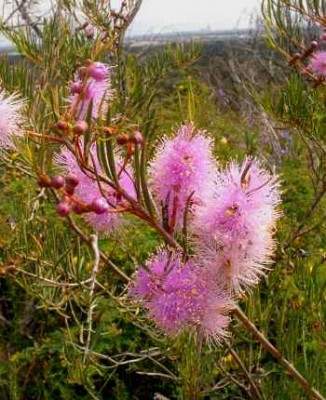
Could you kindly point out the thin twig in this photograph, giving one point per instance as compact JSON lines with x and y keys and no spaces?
{"x":231,"y":378}
{"x":50,"y":281}
{"x":94,"y":244}
{"x":237,"y":359}
{"x":86,"y":239}
{"x":103,"y":257}
{"x":21,"y":7}
{"x":267,"y":345}
{"x":156,"y":374}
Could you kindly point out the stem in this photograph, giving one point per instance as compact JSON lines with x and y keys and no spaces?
{"x":47,"y":281}
{"x":267,"y":345}
{"x":255,"y":391}
{"x":136,"y":208}
{"x":87,"y":240}
{"x":191,"y":368}
{"x":54,"y":139}
{"x":103,"y":257}
{"x":307,"y":217}
{"x":94,"y":243}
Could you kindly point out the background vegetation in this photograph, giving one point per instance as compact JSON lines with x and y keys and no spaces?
{"x":254,"y":103}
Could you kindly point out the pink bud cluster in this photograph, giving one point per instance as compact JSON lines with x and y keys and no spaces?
{"x":315,"y":67}
{"x":68,"y":184}
{"x":97,"y":202}
{"x":316,"y":59}
{"x":91,"y":89}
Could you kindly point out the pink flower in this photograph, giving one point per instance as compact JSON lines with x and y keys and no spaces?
{"x":318,"y":63}
{"x":88,"y":191}
{"x":235,"y":229}
{"x":98,"y":71}
{"x":179,"y":295}
{"x":182,"y":174}
{"x":11,"y":119}
{"x":150,"y":278}
{"x":95,"y":93}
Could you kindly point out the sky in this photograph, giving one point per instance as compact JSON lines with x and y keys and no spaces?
{"x":163,"y":16}
{"x":160,"y":16}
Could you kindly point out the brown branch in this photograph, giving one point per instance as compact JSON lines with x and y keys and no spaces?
{"x":21,"y":7}
{"x":103,"y":257}
{"x":255,"y":391}
{"x":136,"y":208}
{"x":267,"y":345}
{"x":88,"y":241}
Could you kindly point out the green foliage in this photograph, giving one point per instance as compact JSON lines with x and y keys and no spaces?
{"x":45,"y":266}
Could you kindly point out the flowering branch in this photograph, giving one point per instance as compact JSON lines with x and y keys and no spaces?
{"x":216,"y":223}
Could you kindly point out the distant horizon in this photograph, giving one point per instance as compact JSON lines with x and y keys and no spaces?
{"x":172,"y":17}
{"x":157,"y":17}
{"x":5,"y":43}
{"x":187,"y":31}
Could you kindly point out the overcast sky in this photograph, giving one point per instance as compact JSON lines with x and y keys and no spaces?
{"x":161,"y":16}
{"x":157,"y":16}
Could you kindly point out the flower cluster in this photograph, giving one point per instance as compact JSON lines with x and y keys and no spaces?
{"x":178,"y":294}
{"x":233,"y":213}
{"x":182,"y":174}
{"x":11,"y":119}
{"x":98,"y":202}
{"x":318,"y":63}
{"x":234,"y":229}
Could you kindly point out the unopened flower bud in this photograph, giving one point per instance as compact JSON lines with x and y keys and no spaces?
{"x":80,"y":128}
{"x":83,"y":26}
{"x":57,"y":182}
{"x":137,"y":138}
{"x":89,"y":32}
{"x":98,"y":71}
{"x":122,"y":139}
{"x":63,"y":209}
{"x":62,"y":125}
{"x":99,"y":206}
{"x":314,"y":44}
{"x":76,"y":88}
{"x":82,"y":72}
{"x":295,"y":58}
{"x":72,"y":180}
